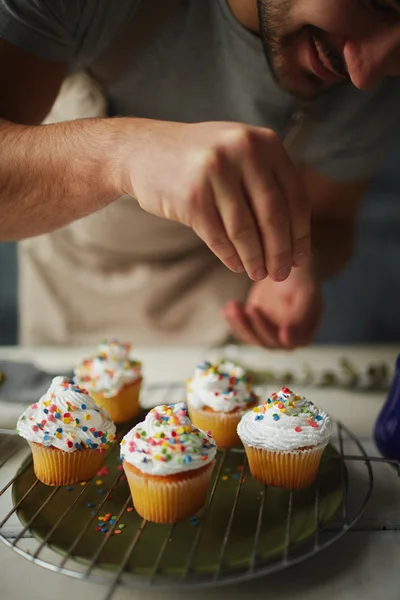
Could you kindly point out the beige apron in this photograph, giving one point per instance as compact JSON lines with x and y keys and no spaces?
{"x":121,"y":272}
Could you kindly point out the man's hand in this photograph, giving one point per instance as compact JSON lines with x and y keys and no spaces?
{"x":278,"y":315}
{"x":235,"y":185}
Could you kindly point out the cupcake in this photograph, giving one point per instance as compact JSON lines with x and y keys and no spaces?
{"x":168,"y":464}
{"x":68,"y":434}
{"x":112,"y":380}
{"x":218,"y":395}
{"x":284,"y":440}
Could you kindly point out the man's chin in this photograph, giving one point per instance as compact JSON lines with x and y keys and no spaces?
{"x":307,"y":86}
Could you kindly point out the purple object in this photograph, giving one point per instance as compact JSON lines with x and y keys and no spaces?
{"x":387,"y":426}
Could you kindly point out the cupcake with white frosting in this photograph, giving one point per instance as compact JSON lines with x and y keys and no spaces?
{"x":112,"y":379}
{"x":68,"y":434}
{"x":168,"y":464}
{"x":284,"y":439}
{"x":218,"y":395}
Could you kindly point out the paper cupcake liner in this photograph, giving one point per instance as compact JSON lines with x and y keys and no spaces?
{"x":223,"y":426}
{"x":122,"y":407}
{"x":291,"y":470}
{"x":55,"y":467}
{"x":168,"y":499}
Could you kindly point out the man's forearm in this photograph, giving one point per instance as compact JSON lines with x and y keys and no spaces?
{"x":51,"y":175}
{"x":332,"y":246}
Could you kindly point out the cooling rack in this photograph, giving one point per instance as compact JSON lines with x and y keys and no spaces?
{"x":91,"y":531}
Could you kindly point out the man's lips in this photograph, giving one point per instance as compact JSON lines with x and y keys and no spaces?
{"x":320,"y":63}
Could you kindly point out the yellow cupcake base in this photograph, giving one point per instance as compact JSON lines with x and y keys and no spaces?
{"x":122,"y":407}
{"x":168,"y":499}
{"x":222,"y":425}
{"x":295,"y":469}
{"x":55,"y":467}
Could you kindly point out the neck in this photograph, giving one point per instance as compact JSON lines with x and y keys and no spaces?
{"x":246,"y":13}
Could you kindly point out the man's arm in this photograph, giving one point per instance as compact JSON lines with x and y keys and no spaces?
{"x":234,"y":184}
{"x":334,"y":209}
{"x":49,"y":175}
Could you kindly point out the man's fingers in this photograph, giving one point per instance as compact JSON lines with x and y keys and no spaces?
{"x":266,"y":331}
{"x":292,"y":186}
{"x":239,"y":324}
{"x":268,"y":201}
{"x":264,"y":217}
{"x":307,"y":312}
{"x":239,"y":222}
{"x":273,"y":220}
{"x":208,"y":226}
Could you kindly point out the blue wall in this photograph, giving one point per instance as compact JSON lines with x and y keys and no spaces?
{"x":8,"y":294}
{"x":363,"y":301}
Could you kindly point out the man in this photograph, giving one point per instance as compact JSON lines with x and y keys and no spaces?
{"x":199,"y":143}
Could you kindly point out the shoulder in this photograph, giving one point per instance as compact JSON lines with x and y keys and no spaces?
{"x":63,"y":30}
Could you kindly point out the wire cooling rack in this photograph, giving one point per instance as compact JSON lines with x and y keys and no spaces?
{"x":56,"y":528}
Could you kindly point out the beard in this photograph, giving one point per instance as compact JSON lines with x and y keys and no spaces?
{"x":278,"y":34}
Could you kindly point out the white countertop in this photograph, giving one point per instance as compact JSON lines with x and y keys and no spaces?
{"x":365,"y":563}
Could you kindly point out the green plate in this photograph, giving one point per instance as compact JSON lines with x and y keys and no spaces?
{"x":240,"y":545}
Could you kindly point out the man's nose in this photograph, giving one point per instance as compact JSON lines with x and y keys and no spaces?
{"x":372,"y":57}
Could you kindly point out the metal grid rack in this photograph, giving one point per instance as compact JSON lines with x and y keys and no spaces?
{"x":18,"y":536}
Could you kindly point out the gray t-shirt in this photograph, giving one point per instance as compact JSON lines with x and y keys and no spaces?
{"x":205,"y":66}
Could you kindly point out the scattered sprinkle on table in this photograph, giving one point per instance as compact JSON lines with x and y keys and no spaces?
{"x":69,"y":489}
{"x":103,"y":471}
{"x":129,"y":509}
{"x":225,"y":478}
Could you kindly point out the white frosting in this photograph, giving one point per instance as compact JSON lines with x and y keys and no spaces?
{"x":285,"y":422}
{"x":167,"y":442}
{"x":223,"y":387}
{"x":109,"y":370}
{"x":66,"y":418}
